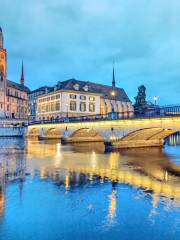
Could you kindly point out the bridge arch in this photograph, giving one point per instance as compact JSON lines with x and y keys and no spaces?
{"x":86,"y":135}
{"x":33,"y":133}
{"x":52,"y":133}
{"x":149,"y":134}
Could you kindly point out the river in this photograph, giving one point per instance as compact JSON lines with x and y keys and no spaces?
{"x":52,"y":191}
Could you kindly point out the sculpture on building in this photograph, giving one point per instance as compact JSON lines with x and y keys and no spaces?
{"x":143,"y":107}
{"x":141,"y":97}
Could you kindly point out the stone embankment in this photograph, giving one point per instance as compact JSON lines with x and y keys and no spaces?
{"x":112,"y":145}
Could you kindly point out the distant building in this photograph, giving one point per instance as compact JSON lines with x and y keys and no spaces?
{"x":32,"y":100}
{"x":81,"y":98}
{"x":13,"y":96}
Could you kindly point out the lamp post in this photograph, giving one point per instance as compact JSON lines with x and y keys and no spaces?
{"x":43,"y":113}
{"x":113,"y":95}
{"x":155,"y":98}
{"x":67,"y":110}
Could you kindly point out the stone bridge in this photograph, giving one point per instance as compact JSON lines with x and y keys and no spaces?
{"x":127,"y":130}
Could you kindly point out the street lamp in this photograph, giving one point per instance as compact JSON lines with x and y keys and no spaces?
{"x":113,"y":94}
{"x":66,"y":110}
{"x":155,"y":98}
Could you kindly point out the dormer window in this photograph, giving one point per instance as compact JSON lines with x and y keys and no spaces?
{"x":76,"y":86}
{"x":85,"y":88}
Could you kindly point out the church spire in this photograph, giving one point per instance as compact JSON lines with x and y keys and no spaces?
{"x":1,"y":38}
{"x":22,"y":75}
{"x":113,"y":79}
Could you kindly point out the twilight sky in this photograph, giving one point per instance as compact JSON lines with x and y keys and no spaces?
{"x":61,"y":39}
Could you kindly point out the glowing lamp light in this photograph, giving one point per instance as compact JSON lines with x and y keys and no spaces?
{"x":155,"y":98}
{"x":113,"y":93}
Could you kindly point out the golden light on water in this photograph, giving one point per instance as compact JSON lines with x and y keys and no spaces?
{"x":1,"y":202}
{"x":67,"y":182}
{"x":112,"y":205}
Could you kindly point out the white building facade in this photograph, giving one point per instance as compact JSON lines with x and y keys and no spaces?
{"x":74,"y":98}
{"x":57,"y":104}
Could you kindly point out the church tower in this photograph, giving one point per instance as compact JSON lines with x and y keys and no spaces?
{"x":113,"y":79}
{"x":3,"y":75}
{"x":3,"y":56}
{"x":22,"y":75}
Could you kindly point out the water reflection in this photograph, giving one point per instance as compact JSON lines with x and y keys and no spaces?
{"x":173,"y":140}
{"x":112,"y":203}
{"x":149,"y":175}
{"x":149,"y":168}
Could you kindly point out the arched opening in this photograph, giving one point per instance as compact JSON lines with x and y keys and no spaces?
{"x":33,"y":133}
{"x":86,"y":135}
{"x":52,"y":133}
{"x":149,"y":134}
{"x":173,"y":139}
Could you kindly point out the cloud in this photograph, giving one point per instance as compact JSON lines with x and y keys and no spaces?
{"x":62,"y":39}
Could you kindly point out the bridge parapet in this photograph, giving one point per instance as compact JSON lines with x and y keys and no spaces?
{"x":103,"y":130}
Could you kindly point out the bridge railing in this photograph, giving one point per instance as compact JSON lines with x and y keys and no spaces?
{"x":109,"y":116}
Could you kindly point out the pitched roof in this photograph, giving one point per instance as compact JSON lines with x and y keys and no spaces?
{"x":17,"y":86}
{"x":105,"y":90}
{"x":43,"y":88}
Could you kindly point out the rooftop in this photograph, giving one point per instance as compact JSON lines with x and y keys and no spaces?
{"x":43,"y":88}
{"x":17,"y":86}
{"x":105,"y":90}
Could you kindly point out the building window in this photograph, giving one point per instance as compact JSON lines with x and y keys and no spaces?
{"x":82,"y":97}
{"x":72,"y":96}
{"x":52,"y":107}
{"x":82,"y":106}
{"x":52,"y":98}
{"x":91,"y":107}
{"x":76,"y":86}
{"x":91,"y":98}
{"x":57,"y":106}
{"x":58,"y":96}
{"x":85,"y":88}
{"x":72,"y":106}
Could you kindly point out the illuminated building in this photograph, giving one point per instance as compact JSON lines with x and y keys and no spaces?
{"x":81,"y":98}
{"x":13,"y":96}
{"x":32,"y":100}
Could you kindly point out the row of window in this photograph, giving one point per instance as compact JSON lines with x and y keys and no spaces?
{"x":46,"y":99}
{"x":15,"y":93}
{"x":77,"y":86}
{"x":32,"y":96}
{"x":82,"y":97}
{"x":49,"y":107}
{"x":82,"y":106}
{"x":18,"y":110}
{"x":72,"y":96}
{"x":72,"y":107}
{"x":18,"y":101}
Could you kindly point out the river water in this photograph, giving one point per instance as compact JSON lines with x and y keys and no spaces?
{"x":52,"y":191}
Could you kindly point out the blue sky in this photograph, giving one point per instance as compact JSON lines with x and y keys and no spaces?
{"x":61,"y":39}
